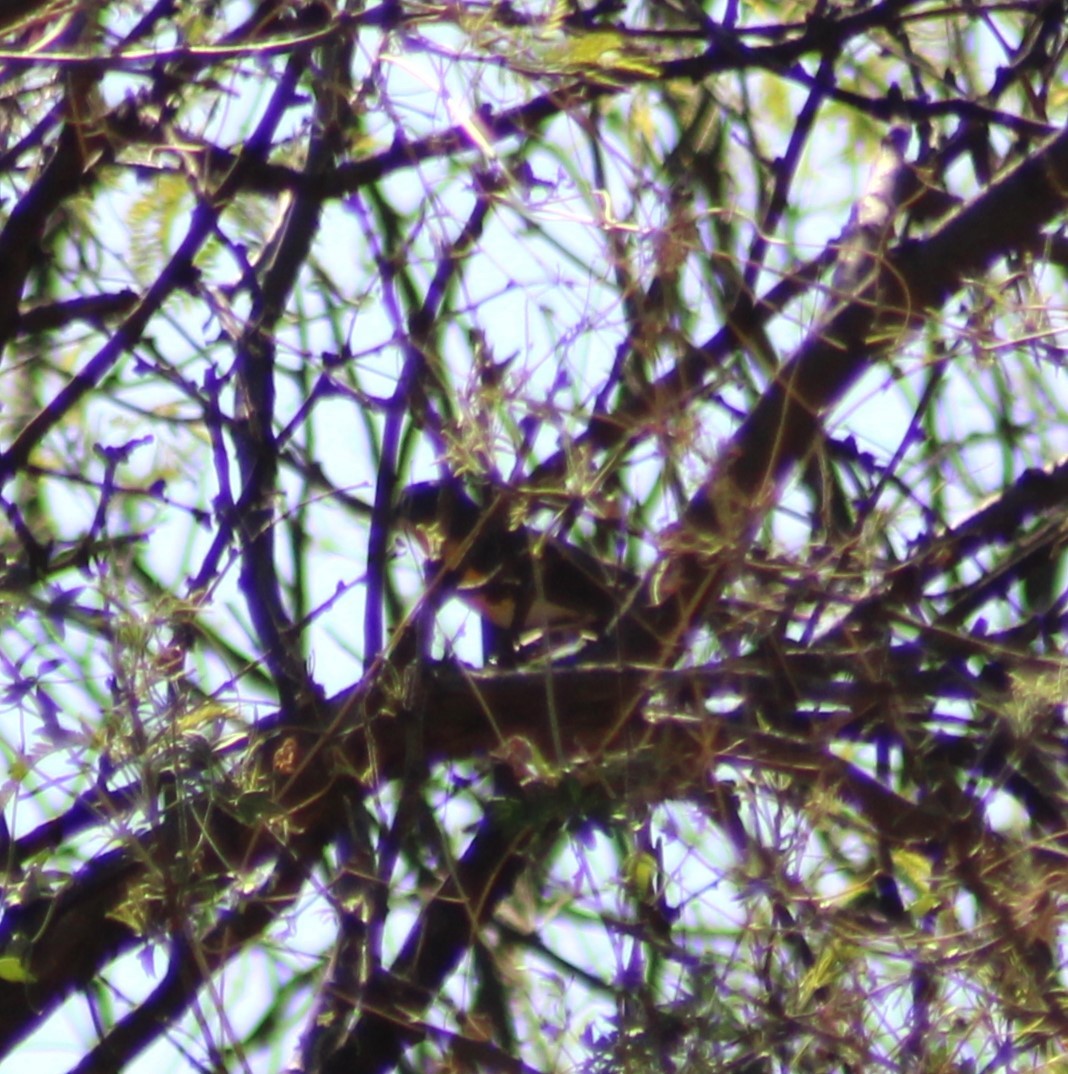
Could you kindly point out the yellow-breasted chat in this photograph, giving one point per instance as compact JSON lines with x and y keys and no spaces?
{"x":528,"y":584}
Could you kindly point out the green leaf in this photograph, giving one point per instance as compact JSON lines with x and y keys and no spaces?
{"x":14,"y":970}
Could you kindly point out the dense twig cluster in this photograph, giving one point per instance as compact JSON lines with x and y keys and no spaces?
{"x":802,"y":753}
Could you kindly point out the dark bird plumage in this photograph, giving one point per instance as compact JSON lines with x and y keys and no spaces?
{"x":522,"y":581}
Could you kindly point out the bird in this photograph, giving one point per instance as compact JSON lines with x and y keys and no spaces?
{"x":529,"y":585}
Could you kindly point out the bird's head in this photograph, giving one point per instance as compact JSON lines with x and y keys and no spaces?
{"x":435,"y":514}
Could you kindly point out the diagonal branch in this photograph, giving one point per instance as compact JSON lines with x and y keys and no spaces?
{"x":778,"y":433}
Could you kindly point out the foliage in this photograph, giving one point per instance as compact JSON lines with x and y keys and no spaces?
{"x":731,"y":336}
